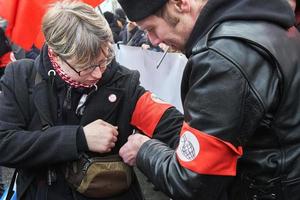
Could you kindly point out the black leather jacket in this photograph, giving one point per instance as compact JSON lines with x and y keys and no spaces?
{"x":240,"y":85}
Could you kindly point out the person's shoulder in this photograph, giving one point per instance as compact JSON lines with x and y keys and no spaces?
{"x":121,"y":77}
{"x":122,"y":69}
{"x":126,"y":73}
{"x":19,"y":69}
{"x":22,"y":64}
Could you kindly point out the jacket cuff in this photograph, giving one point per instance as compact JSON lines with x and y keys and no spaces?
{"x":81,"y":142}
{"x":143,"y":157}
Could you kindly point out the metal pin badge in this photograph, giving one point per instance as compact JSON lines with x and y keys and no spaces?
{"x":112,"y":98}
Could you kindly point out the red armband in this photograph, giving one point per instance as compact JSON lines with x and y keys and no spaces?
{"x":206,"y":154}
{"x":147,"y":113}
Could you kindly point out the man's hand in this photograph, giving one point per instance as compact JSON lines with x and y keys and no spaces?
{"x":100,"y":136}
{"x":130,"y":149}
{"x":145,"y":46}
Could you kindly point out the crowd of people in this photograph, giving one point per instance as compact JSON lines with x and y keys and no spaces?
{"x":72,"y":104}
{"x":127,"y":32}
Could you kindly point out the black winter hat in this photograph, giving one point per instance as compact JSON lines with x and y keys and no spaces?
{"x":109,"y":16}
{"x":139,"y":9}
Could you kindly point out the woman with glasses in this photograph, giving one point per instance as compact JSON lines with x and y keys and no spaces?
{"x":74,"y":100}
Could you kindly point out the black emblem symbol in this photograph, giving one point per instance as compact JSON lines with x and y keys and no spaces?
{"x":187,"y":148}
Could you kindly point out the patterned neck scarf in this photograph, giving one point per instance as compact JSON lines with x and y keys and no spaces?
{"x":63,"y":75}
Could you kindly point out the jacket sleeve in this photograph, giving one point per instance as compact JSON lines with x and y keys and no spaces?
{"x":23,"y":148}
{"x":152,"y":116}
{"x":220,"y":111}
{"x":157,"y":119}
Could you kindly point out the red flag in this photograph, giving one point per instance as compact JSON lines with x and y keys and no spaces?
{"x":24,"y":20}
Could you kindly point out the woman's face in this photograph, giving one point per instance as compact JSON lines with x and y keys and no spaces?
{"x":89,"y":74}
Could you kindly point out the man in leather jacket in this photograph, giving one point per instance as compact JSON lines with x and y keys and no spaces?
{"x":240,"y":93}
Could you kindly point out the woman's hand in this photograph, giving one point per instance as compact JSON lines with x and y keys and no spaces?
{"x":100,"y":136}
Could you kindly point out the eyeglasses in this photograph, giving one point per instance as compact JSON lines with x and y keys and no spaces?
{"x":102,"y":65}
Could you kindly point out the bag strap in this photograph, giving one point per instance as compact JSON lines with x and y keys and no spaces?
{"x":37,"y":79}
{"x":10,"y":191}
{"x":1,"y":186}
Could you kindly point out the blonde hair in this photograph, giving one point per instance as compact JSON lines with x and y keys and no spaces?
{"x":75,"y":30}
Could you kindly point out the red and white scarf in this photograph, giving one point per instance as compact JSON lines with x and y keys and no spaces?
{"x":63,"y":75}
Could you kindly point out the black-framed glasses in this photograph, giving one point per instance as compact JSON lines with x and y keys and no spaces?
{"x":102,"y":65}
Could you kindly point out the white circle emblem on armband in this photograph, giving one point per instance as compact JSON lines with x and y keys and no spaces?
{"x":189,"y":147}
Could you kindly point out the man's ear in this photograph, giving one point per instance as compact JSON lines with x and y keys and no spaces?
{"x":181,"y":5}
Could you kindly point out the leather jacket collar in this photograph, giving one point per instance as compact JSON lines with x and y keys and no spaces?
{"x":217,"y":11}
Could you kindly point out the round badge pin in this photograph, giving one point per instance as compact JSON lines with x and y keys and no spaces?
{"x":112,"y":98}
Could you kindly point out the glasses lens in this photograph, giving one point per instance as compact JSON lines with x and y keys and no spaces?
{"x":102,"y":65}
{"x":89,"y":70}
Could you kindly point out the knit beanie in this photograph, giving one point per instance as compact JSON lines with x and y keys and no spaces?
{"x":137,"y":10}
{"x":109,"y":16}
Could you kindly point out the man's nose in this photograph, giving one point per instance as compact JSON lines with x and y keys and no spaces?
{"x":154,"y":39}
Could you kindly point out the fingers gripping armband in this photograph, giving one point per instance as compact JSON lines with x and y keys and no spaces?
{"x":206,"y":154}
{"x":148,"y":112}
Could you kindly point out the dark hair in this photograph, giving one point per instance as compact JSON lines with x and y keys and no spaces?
{"x":4,"y":43}
{"x":120,"y":14}
{"x":109,"y":16}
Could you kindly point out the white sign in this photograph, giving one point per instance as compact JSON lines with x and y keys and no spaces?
{"x":164,"y":81}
